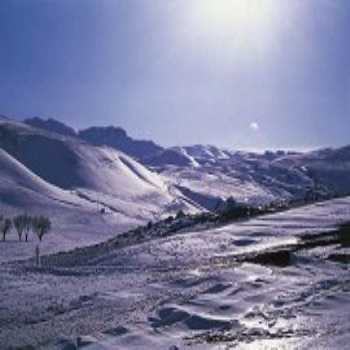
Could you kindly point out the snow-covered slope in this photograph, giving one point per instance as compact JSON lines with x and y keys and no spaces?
{"x":111,"y":136}
{"x":188,"y":156}
{"x":100,"y":174}
{"x":176,"y":156}
{"x":273,"y":282}
{"x":201,"y":175}
{"x":207,"y":174}
{"x":76,"y":221}
{"x":89,"y":192}
{"x":16,"y":180}
{"x":327,"y":167}
{"x":213,"y":174}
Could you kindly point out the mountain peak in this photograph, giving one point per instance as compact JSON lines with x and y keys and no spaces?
{"x":51,"y":125}
{"x":117,"y":137}
{"x":96,"y":131}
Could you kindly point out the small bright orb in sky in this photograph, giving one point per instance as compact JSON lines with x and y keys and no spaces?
{"x":254,"y":126}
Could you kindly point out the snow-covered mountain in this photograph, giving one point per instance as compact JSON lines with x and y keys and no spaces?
{"x":111,"y":136}
{"x":195,"y":156}
{"x":327,"y":167}
{"x":201,"y":176}
{"x":43,"y":171}
{"x":76,"y":220}
{"x":210,"y":174}
{"x":119,"y":139}
{"x":176,"y":156}
{"x":223,"y":282}
{"x":51,"y":125}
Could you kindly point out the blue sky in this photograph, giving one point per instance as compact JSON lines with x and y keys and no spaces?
{"x":265,"y":74}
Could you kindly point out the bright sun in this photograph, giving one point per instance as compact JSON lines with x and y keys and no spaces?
{"x":244,"y":22}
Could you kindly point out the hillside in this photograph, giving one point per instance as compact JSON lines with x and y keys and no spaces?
{"x":327,"y":167}
{"x":175,"y":280}
{"x":76,"y":221}
{"x":212,"y":174}
{"x":100,"y":173}
{"x":114,"y":137}
{"x":89,"y":192}
{"x":276,"y":280}
{"x":206,"y":175}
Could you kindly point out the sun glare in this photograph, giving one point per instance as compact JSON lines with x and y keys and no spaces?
{"x":245,"y":23}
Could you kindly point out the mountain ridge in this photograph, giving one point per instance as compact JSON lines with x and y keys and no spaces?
{"x":207,"y":174}
{"x":112,"y":136}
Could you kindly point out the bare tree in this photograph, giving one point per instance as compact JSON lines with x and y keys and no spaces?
{"x":41,"y":225}
{"x":1,"y":223}
{"x":6,"y":225}
{"x":28,"y":226}
{"x":19,"y":223}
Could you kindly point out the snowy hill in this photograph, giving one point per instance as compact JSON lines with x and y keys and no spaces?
{"x":328,"y":167}
{"x":176,"y":156}
{"x":279,"y":281}
{"x":70,"y":163}
{"x":212,"y":174}
{"x":111,"y":136}
{"x":152,"y":286}
{"x":200,"y":175}
{"x":188,"y":156}
{"x":16,"y":180}
{"x":72,"y":181}
{"x":75,"y":220}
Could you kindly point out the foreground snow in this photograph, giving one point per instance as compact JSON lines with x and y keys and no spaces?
{"x":195,"y":289}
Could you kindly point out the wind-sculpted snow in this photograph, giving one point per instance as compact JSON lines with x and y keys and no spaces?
{"x":270,"y":282}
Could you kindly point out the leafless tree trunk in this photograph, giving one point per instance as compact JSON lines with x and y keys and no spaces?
{"x":37,"y":255}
